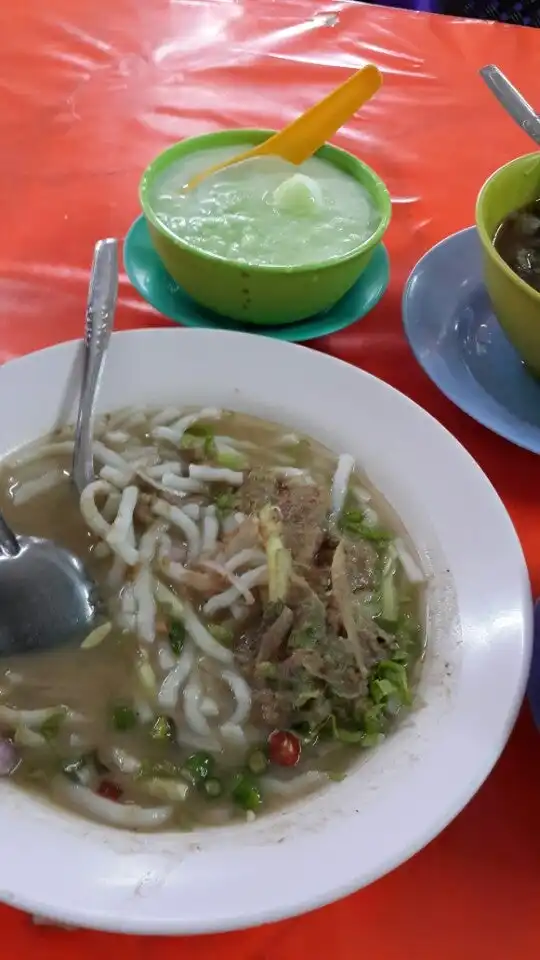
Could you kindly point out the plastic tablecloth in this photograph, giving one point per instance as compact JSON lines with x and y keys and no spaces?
{"x":89,"y":92}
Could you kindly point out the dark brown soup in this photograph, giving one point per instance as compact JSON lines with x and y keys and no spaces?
{"x":517,"y":240}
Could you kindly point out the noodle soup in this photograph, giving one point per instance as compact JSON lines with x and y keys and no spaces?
{"x":262,"y":626}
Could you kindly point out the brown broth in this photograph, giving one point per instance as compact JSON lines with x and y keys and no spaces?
{"x":517,"y":241}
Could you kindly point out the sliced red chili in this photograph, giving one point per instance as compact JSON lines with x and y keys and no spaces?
{"x":284,"y":748}
{"x":109,"y":790}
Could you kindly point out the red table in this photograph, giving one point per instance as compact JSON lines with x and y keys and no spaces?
{"x":89,"y":91}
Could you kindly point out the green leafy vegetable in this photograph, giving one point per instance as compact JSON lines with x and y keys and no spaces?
{"x":198,"y":767}
{"x":231,"y":459}
{"x":162,"y":729}
{"x":395,"y":673}
{"x":246,"y":792}
{"x":352,"y":522}
{"x":124,"y":717}
{"x":226,"y":502}
{"x":199,"y":437}
{"x":177,"y":636}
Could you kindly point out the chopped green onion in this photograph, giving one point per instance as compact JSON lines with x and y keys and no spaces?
{"x":159,"y":769}
{"x":226,"y":503}
{"x":221,"y":633}
{"x":246,"y":792}
{"x":124,"y":717}
{"x":353,"y":521}
{"x":198,"y":767}
{"x":199,"y":437}
{"x":397,"y":674}
{"x":177,"y":636}
{"x":213,"y":787}
{"x":231,"y":460}
{"x":50,"y":728}
{"x":163,"y":729}
{"x":257,"y":762}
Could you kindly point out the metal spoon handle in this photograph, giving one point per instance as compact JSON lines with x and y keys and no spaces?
{"x":9,"y":544}
{"x":100,"y":311}
{"x":512,"y":101}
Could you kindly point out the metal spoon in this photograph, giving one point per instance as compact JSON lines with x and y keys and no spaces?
{"x":512,"y":101}
{"x":47,"y":598}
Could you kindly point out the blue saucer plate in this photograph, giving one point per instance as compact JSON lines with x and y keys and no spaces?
{"x":149,"y":277}
{"x":455,"y":337}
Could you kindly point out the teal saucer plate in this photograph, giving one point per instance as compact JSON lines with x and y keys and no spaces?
{"x":156,"y":286}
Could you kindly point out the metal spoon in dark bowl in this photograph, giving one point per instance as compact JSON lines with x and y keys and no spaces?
{"x":47,"y":599}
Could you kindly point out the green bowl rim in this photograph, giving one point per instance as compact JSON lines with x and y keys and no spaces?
{"x":487,"y":241}
{"x":380,"y":193}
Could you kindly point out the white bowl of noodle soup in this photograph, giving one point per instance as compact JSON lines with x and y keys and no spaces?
{"x":397,"y":795}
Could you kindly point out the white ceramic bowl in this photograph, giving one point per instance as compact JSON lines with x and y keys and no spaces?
{"x":407,"y":790}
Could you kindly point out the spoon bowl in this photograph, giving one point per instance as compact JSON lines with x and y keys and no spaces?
{"x":47,"y":598}
{"x":302,"y":138}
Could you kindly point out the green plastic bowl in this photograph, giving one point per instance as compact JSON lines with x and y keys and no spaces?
{"x":515,"y":304}
{"x":260,"y":294}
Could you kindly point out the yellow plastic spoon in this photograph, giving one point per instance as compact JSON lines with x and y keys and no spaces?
{"x":300,"y":139}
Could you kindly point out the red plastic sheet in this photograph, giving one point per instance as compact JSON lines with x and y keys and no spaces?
{"x":89,"y":92}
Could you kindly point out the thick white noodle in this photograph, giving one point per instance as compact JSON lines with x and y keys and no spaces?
{"x":250,"y":556}
{"x":202,"y":638}
{"x":110,"y":507}
{"x":171,"y":466}
{"x":410,"y":567}
{"x":96,"y":636}
{"x":179,"y":519}
{"x":149,"y":541}
{"x":91,"y":515}
{"x":119,"y":535}
{"x":233,"y":734}
{"x":117,"y":477}
{"x":192,"y":713}
{"x":210,"y":530}
{"x":118,"y":438}
{"x":164,"y":417}
{"x":116,"y":575}
{"x":176,"y":431}
{"x":125,"y":762}
{"x":209,"y":707}
{"x":143,"y":590}
{"x":29,"y":718}
{"x":216,"y":474}
{"x":231,"y":577}
{"x":127,"y":815}
{"x":241,"y":693}
{"x":34,"y":488}
{"x":192,"y":510}
{"x":41,"y":451}
{"x":294,"y":787}
{"x":175,"y":679}
{"x":249,"y":579}
{"x":166,"y":658}
{"x":181,"y":484}
{"x":340,"y":483}
{"x":109,"y":457}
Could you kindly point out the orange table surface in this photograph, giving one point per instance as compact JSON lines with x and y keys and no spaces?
{"x":90,"y":90}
